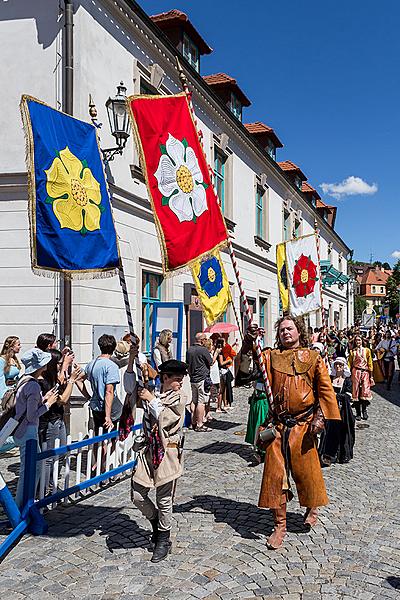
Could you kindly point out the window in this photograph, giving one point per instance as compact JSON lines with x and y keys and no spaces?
{"x":297,"y":182}
{"x":147,"y":89}
{"x":260,"y":229}
{"x":329,"y":253}
{"x":326,"y":215}
{"x":271,"y":150}
{"x":297,"y":228}
{"x":219,"y":174}
{"x":313,"y":200}
{"x":263,"y":318}
{"x":374,"y":289}
{"x":286,"y":225}
{"x":190,"y":52}
{"x":253,"y":310}
{"x":382,"y":289}
{"x":151,"y":293}
{"x":236,"y":107}
{"x":340,"y":264}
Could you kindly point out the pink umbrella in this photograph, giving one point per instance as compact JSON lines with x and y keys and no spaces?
{"x":221,"y":328}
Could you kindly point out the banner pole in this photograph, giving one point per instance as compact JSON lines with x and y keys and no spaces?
{"x":183,"y":80}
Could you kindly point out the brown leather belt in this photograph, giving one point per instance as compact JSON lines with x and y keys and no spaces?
{"x":173,"y":445}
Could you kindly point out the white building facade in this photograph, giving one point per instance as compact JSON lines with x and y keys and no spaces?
{"x":115,"y":41}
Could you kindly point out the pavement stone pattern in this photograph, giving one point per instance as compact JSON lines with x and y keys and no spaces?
{"x":98,"y":548}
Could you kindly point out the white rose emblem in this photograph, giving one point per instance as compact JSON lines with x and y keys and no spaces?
{"x":180,"y":180}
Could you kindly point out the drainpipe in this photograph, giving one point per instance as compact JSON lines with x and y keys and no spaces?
{"x":68,"y":107}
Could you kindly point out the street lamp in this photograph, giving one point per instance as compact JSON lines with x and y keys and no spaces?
{"x":118,"y":119}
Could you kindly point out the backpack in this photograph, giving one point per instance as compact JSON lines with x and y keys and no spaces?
{"x":9,"y":400}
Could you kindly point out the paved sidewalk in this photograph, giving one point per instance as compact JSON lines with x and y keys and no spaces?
{"x":97,"y":549}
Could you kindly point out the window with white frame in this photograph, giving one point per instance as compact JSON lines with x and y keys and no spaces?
{"x":298,"y":182}
{"x":260,"y":212}
{"x":219,"y":176}
{"x":373,"y":289}
{"x":382,"y":289}
{"x":191,"y":52}
{"x":287,"y":234}
{"x":263,"y":316}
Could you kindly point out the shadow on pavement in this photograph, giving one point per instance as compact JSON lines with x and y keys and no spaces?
{"x":118,"y":528}
{"x":222,"y":425}
{"x":394,"y":582}
{"x":392,"y":395}
{"x":246,"y":519}
{"x":241,"y":450}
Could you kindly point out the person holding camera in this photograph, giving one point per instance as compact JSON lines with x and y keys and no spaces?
{"x":30,"y":404}
{"x":303,"y":398}
{"x":159,"y":460}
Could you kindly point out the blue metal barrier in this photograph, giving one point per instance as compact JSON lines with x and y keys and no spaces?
{"x":30,"y":519}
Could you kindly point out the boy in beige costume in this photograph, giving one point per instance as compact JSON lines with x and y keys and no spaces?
{"x":159,"y":462}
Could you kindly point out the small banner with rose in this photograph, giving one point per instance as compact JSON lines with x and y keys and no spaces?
{"x":303,"y":275}
{"x":71,"y":224}
{"x":186,"y":211}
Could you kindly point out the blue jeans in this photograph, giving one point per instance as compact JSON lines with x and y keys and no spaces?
{"x":31,"y":433}
{"x":54,"y":430}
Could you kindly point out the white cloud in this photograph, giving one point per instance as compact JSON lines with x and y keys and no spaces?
{"x":352,"y":186}
{"x":396,"y":254}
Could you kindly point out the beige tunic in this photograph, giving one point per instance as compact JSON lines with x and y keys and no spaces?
{"x":170,"y":423}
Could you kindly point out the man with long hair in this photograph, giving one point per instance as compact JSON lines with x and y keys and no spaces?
{"x":302,"y":398}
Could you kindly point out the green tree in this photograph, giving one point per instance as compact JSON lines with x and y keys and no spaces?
{"x":386,"y":266}
{"x":392,"y":291}
{"x":360,"y":304}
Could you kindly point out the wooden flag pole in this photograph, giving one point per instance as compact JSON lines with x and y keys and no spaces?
{"x":183,"y":80}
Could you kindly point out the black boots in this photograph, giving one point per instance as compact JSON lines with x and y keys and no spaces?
{"x":162,"y":548}
{"x":357,"y":406}
{"x":364,"y":410}
{"x":154,"y":526}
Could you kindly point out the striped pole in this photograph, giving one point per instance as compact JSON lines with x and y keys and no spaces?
{"x":131,"y":328}
{"x":243,"y":296}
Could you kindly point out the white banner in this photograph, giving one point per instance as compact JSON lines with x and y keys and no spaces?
{"x":304,"y":275}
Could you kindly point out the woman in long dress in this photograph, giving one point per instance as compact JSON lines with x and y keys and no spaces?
{"x":337,"y":441}
{"x":361,"y":366}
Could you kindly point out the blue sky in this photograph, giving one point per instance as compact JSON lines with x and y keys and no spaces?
{"x":325,"y":76}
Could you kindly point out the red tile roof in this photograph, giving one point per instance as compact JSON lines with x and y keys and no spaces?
{"x":167,"y":20}
{"x":261,"y":129}
{"x":306,"y":188}
{"x":321,"y":204}
{"x":222,"y":81}
{"x":376,"y":276}
{"x":289,"y":166}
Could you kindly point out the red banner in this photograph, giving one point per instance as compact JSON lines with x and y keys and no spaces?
{"x":186,"y":210}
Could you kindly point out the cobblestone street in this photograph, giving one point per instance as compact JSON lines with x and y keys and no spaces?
{"x":98,"y":549}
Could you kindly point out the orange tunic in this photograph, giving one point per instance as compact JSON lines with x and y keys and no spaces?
{"x":299,"y":381}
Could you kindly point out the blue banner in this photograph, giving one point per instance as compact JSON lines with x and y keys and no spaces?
{"x":71,"y":222}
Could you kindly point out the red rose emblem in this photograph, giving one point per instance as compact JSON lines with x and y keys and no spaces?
{"x":304,"y":276}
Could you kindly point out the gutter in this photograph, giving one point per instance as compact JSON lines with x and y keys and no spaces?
{"x":68,"y":107}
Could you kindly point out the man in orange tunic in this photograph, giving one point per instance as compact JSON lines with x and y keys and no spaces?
{"x":302,"y":398}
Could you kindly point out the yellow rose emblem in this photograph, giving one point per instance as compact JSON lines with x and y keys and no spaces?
{"x":74,"y":193}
